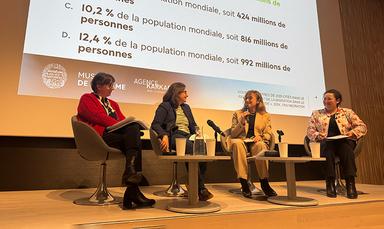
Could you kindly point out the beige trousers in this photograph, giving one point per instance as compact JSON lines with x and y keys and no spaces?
{"x":239,"y":155}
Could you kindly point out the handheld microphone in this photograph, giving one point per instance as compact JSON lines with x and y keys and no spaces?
{"x":247,"y":110}
{"x":280,"y":133}
{"x":215,"y":128}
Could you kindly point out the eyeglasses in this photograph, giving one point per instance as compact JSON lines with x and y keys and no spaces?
{"x":111,"y":86}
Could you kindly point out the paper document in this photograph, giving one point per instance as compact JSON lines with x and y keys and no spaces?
{"x":337,"y":137}
{"x":125,"y":122}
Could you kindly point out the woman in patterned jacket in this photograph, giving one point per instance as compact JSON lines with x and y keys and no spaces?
{"x":334,"y":121}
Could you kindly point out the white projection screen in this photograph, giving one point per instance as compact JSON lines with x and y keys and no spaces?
{"x":287,"y":50}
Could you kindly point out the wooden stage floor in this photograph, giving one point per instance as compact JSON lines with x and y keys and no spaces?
{"x":54,"y":209}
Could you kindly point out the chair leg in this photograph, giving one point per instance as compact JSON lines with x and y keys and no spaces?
{"x":174,"y":189}
{"x":102,"y":195}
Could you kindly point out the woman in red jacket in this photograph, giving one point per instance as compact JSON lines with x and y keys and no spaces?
{"x":100,"y":112}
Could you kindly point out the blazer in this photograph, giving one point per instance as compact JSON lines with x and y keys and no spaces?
{"x":346,"y":120}
{"x":165,"y":119}
{"x":262,"y":128}
{"x":92,"y":112}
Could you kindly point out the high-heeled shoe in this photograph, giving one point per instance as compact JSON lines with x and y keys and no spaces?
{"x":133,"y":194}
{"x":351,"y":188}
{"x":130,"y":175}
{"x":204,"y":194}
{"x":267,"y":189}
{"x":330,"y":187}
{"x":127,"y":203}
{"x":245,"y":188}
{"x":143,"y":201}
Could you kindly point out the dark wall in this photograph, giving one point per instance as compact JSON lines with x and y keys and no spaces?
{"x":30,"y":163}
{"x":363,"y":32}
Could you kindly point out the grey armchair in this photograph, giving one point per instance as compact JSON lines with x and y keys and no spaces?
{"x":92,"y":147}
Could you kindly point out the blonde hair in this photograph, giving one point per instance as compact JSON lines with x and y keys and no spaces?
{"x":260,"y":107}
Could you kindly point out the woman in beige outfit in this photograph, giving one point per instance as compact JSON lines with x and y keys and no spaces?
{"x":252,"y":122}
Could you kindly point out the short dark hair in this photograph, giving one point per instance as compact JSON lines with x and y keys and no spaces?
{"x":335,"y":93}
{"x":101,"y":78}
{"x":173,"y":91}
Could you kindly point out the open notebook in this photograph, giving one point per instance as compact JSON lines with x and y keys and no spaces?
{"x":125,"y":122}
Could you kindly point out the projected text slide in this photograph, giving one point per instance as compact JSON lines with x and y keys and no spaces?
{"x":219,"y":49}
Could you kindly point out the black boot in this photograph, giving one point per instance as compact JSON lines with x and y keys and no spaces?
{"x":130,"y":175}
{"x":127,"y":200}
{"x":351,"y":188}
{"x":245,"y":188}
{"x":204,"y":194}
{"x":133,"y":194}
{"x":268,"y":191}
{"x":330,"y":187}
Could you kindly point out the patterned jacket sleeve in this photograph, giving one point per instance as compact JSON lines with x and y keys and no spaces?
{"x":358,"y":126}
{"x":312,"y":132}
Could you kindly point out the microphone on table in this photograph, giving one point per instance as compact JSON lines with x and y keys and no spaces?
{"x":215,"y":128}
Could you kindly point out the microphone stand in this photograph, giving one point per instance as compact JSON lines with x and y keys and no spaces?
{"x":216,"y":139}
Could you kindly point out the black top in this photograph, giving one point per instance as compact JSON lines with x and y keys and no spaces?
{"x":251,"y":127}
{"x":165,"y":118}
{"x":333,"y":129}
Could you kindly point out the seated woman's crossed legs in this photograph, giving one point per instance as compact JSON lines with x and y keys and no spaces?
{"x":239,"y":151}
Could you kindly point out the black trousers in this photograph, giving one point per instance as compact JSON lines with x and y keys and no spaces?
{"x":343,"y":148}
{"x":127,"y":139}
{"x":189,"y":150}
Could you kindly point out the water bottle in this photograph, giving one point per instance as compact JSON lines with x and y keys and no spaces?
{"x":199,"y":144}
